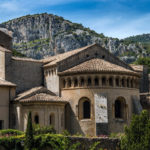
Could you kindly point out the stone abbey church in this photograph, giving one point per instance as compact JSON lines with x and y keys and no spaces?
{"x":87,"y":90}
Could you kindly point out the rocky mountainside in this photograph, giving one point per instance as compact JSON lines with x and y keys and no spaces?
{"x":42,"y":35}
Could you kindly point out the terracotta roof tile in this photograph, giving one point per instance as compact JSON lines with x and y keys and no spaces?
{"x":97,"y":65}
{"x":43,"y":97}
{"x":137,"y":67}
{"x":54,"y":59}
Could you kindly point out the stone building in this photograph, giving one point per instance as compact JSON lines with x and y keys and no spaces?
{"x":87,"y":90}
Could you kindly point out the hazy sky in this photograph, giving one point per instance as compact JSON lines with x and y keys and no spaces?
{"x":115,"y":18}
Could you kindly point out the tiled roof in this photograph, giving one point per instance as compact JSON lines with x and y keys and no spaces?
{"x":6,"y":83}
{"x":137,"y":67}
{"x":97,"y":65}
{"x":39,"y":94}
{"x":43,"y":97}
{"x":54,"y":59}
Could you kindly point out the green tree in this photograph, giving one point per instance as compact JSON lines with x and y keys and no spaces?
{"x":137,"y":135}
{"x":29,"y":133}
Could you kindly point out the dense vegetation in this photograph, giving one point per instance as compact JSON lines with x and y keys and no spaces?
{"x":137,"y":135}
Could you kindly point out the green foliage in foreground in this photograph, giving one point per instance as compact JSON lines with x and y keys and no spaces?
{"x":10,"y":132}
{"x":29,"y":133}
{"x":137,"y":135}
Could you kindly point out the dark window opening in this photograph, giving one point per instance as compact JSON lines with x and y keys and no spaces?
{"x":103,"y":56}
{"x":103,"y":81}
{"x":110,"y":82}
{"x":86,"y":110}
{"x":1,"y":124}
{"x":75,"y":82}
{"x":96,"y":54}
{"x":82,"y":82}
{"x":127,"y":82}
{"x":64,"y":83}
{"x":89,"y":82}
{"x":87,"y":55}
{"x":123,"y":82}
{"x":96,"y":82}
{"x":117,"y":82}
{"x":69,"y":83}
{"x":131,"y":83}
{"x":118,"y":109}
{"x":52,"y":119}
{"x":36,"y":119}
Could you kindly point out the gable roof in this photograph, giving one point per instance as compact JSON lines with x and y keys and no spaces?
{"x":138,"y":68}
{"x":39,"y":94}
{"x":97,"y":65}
{"x":53,"y":60}
{"x":6,"y":83}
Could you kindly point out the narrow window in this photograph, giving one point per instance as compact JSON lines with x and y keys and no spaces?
{"x":110,"y":82}
{"x":52,"y":120}
{"x":64,"y":83}
{"x":69,"y":82}
{"x":96,"y":81}
{"x":127,"y":82}
{"x":86,"y":109}
{"x":82,"y":82}
{"x":75,"y":82}
{"x":103,"y":81}
{"x":1,"y":124}
{"x":36,"y":119}
{"x":118,"y":109}
{"x":89,"y":82}
{"x":123,"y":82}
{"x":117,"y":82}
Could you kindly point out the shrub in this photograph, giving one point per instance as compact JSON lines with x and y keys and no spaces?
{"x":137,"y":135}
{"x":37,"y":129}
{"x":11,"y":132}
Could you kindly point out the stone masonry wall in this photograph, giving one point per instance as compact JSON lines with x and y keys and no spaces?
{"x":25,"y":74}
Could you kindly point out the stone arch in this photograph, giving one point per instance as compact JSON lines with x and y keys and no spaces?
{"x":120,"y":108}
{"x":84,"y":108}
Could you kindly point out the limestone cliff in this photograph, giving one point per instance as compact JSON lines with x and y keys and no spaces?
{"x":45,"y":34}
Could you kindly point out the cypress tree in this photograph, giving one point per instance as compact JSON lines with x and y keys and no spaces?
{"x":29,"y":133}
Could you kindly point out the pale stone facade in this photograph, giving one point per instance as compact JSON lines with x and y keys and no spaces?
{"x":87,"y":91}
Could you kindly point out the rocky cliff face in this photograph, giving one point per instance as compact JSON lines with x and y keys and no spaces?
{"x":42,"y":35}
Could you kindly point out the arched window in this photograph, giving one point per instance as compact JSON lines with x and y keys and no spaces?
{"x":117,"y":82}
{"x":131,"y":83}
{"x":84,"y":108}
{"x":75,"y":82}
{"x":120,"y":108}
{"x":103,"y":81}
{"x":64,"y":83}
{"x":110,"y":81}
{"x":89,"y":82}
{"x":69,"y":82}
{"x":52,"y":120}
{"x":123,"y":82}
{"x":82,"y":82}
{"x":36,"y":119}
{"x":128,"y":83}
{"x":96,"y":81}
